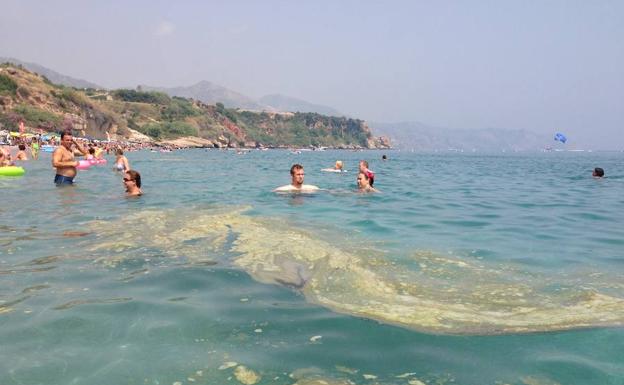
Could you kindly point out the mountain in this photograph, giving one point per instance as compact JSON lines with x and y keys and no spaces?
{"x":210,"y":93}
{"x":53,"y":76}
{"x":287,"y":103}
{"x":419,"y":136}
{"x":45,"y":106}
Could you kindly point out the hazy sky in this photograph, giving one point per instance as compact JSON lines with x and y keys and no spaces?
{"x":539,"y":65}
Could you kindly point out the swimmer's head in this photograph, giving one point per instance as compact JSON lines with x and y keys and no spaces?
{"x":92,"y":150}
{"x":338,"y":165}
{"x":133,"y":176}
{"x":295,"y":167}
{"x":119,"y":151}
{"x":363,"y":180}
{"x":22,"y":147}
{"x":598,"y":172}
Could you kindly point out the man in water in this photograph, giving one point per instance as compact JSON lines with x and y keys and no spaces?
{"x":363,"y":182}
{"x":296,"y":183}
{"x":364,"y":169}
{"x":63,"y":160}
{"x":21,"y":154}
{"x":598,"y":173}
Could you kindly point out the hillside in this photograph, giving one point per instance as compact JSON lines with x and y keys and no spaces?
{"x":209,"y":93}
{"x":52,"y":75}
{"x":95,"y":113}
{"x":287,"y":103}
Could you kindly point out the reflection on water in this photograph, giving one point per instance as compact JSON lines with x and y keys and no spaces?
{"x":425,"y":291}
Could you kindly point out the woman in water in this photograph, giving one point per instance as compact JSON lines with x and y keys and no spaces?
{"x":363,"y":183}
{"x":121,"y":163}
{"x":132,"y":182}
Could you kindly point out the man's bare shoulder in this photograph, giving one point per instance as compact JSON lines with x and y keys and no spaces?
{"x":291,"y":188}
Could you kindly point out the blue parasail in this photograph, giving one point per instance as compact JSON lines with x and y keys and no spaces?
{"x":559,"y":137}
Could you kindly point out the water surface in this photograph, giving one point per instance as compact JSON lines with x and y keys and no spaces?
{"x":465,"y":269}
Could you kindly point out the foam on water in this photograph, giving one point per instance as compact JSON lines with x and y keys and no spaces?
{"x":428,"y":292}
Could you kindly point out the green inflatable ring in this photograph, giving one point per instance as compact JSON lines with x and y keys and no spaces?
{"x":11,"y":171}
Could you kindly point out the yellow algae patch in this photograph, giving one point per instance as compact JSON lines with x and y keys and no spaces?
{"x":538,"y":381}
{"x":246,"y":376}
{"x":227,"y":365}
{"x":427,"y":291}
{"x":322,"y":381}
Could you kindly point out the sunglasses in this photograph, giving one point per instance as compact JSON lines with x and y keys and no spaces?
{"x":127,"y":179}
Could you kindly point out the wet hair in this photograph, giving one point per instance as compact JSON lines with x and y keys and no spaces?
{"x":295,"y":167}
{"x":384,"y":156}
{"x":21,"y":147}
{"x":119,"y":151}
{"x":365,"y":163}
{"x":598,"y":172}
{"x":136,"y":177}
{"x":365,"y":175}
{"x":65,"y":133}
{"x":92,"y":150}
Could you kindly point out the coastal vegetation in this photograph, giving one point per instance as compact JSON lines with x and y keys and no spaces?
{"x":124,"y":113}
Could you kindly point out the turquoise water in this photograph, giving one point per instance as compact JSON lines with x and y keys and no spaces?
{"x":465,"y":269}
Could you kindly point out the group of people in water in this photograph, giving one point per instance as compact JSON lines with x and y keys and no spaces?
{"x":66,"y":165}
{"x":365,"y":178}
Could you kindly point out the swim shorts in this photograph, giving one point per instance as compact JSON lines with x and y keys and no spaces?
{"x":62,"y":179}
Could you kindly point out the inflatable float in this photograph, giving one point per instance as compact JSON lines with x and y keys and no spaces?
{"x":12,"y":171}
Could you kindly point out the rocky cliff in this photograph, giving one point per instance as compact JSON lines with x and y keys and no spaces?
{"x":122,"y":114}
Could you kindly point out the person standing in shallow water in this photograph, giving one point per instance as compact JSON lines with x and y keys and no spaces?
{"x":296,"y":184}
{"x":121,"y":163}
{"x":21,"y":154}
{"x":63,"y":160}
{"x":132,"y":183}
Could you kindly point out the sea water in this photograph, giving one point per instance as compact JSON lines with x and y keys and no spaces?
{"x":463,"y":269}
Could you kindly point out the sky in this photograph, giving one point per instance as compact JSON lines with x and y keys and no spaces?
{"x":544,"y":66}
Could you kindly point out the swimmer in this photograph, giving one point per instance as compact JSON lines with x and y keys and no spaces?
{"x":21,"y":154}
{"x":121,"y":163}
{"x":337,"y":167}
{"x":363,"y":182}
{"x":5,"y":160}
{"x":132,"y":182}
{"x":63,"y":160}
{"x":296,"y":184}
{"x":364,"y":169}
{"x":598,"y":173}
{"x":384,"y":157}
